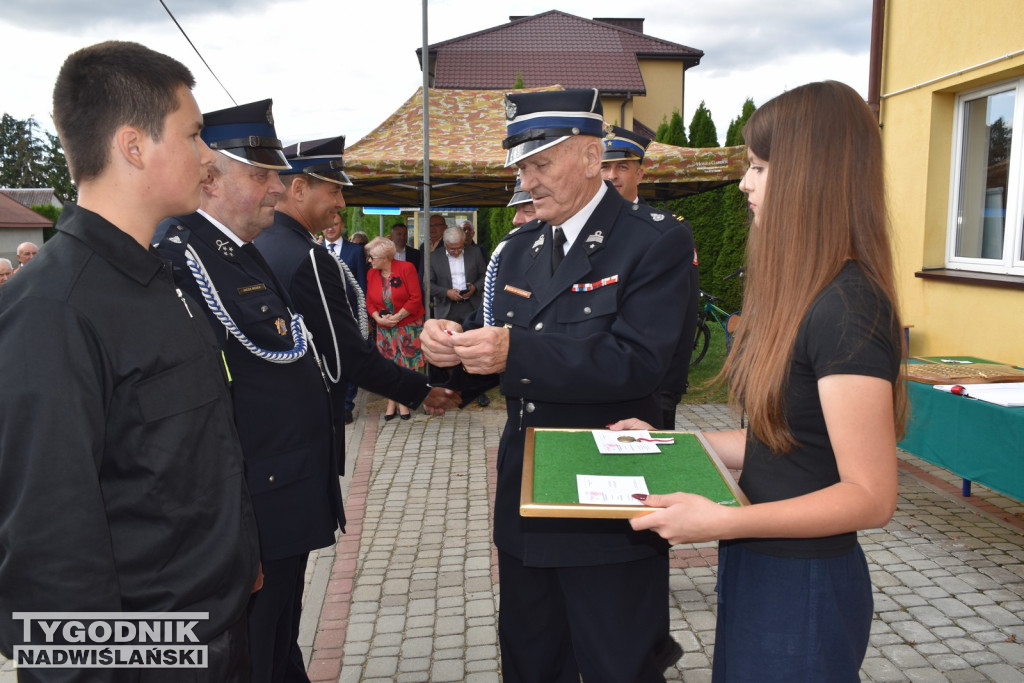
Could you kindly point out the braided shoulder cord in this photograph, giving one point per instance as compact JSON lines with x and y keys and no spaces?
{"x":360,"y":315}
{"x":212,"y":299}
{"x":490,"y":275}
{"x":321,"y":361}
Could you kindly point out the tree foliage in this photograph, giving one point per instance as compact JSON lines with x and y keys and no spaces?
{"x":675,"y":132}
{"x":702,"y":128}
{"x":719,"y":217}
{"x":31,"y":158}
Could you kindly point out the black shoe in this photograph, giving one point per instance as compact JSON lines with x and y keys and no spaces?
{"x":388,"y":418}
{"x":349,"y":419}
{"x":406,"y":416}
{"x":668,"y":653}
{"x":483,"y":401}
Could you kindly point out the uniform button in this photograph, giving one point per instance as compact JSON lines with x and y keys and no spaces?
{"x":510,"y":314}
{"x":271,"y":479}
{"x":264,"y":308}
{"x":525,"y":380}
{"x":539,"y":326}
{"x":586,"y":309}
{"x":530,"y":407}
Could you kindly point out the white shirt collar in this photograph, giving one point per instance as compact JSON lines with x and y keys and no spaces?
{"x":223,"y":228}
{"x":574,"y":226}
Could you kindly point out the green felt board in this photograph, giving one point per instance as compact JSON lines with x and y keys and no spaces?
{"x":683,"y":466}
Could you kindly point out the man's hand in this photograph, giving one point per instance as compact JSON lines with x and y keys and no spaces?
{"x":258,"y":583}
{"x":436,"y":342}
{"x":440,"y":399}
{"x":483,"y":351}
{"x":453,"y":295}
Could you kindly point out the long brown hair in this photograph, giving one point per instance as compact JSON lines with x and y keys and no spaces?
{"x":824,"y":203}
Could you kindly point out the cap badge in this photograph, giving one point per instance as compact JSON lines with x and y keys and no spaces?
{"x":270,"y":115}
{"x":510,"y":109}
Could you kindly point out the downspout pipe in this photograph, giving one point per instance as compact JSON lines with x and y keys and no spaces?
{"x":875,"y":66}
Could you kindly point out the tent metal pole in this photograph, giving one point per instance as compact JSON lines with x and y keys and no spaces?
{"x":425,"y":220}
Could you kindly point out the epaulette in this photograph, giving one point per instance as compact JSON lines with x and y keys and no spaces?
{"x":660,"y":218}
{"x":171,"y":237}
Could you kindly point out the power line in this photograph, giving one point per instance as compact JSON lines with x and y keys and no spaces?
{"x":197,"y":52}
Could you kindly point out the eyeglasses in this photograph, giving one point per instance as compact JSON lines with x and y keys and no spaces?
{"x":454,"y":250}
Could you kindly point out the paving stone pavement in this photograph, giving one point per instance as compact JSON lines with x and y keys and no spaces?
{"x":409,"y":593}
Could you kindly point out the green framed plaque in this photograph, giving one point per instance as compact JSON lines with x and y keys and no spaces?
{"x":554,"y":457}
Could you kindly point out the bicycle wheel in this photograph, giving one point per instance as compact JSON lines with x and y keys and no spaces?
{"x":700,"y":343}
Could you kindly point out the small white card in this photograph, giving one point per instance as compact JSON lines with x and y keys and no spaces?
{"x":627,"y":441}
{"x":594,"y":489}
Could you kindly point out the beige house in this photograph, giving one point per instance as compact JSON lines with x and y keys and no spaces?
{"x":641,"y":78}
{"x":952,"y":111}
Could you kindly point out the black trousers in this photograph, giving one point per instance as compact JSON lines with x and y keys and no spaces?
{"x":603,"y":622}
{"x":274,"y":623}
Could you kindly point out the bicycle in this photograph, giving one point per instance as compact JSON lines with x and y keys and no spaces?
{"x":727,"y":320}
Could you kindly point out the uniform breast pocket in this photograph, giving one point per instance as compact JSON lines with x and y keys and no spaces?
{"x":581,"y":307}
{"x":264,"y":319}
{"x":182,"y":427}
{"x":509,"y":309}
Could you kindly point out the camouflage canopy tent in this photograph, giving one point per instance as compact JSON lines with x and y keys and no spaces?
{"x":467,"y":161}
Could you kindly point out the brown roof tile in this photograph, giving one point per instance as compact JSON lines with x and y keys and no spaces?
{"x":14,"y":215}
{"x":553,"y":47}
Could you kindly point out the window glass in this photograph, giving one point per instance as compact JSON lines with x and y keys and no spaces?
{"x":987,"y":136}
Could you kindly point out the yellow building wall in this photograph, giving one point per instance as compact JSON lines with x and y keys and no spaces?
{"x":664,"y":80}
{"x":934,"y":50}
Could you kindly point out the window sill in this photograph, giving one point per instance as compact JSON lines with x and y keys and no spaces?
{"x":972,"y":278}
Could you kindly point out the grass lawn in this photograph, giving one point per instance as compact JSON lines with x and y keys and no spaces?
{"x":700,"y":390}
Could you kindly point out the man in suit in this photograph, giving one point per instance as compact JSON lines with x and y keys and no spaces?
{"x":403,"y":252}
{"x":281,"y":404}
{"x":622,"y":164}
{"x":313,"y":279}
{"x":456,"y":277}
{"x":584,"y":317}
{"x":354,"y":258}
{"x":456,"y":285}
{"x":5,"y":270}
{"x":121,"y":475}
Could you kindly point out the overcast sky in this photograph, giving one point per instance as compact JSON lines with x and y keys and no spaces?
{"x":342,"y":66}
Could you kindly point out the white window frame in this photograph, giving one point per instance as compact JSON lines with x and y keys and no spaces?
{"x":1011,"y":262}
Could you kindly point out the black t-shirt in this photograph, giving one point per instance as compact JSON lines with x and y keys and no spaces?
{"x":849,"y":330}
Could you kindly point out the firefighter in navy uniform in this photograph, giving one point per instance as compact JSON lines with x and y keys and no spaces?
{"x":623,"y":165}
{"x":579,"y":335}
{"x":281,"y":403}
{"x":315,"y":283}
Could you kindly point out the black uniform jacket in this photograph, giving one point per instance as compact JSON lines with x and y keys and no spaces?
{"x":121,"y":485}
{"x":286,"y":246}
{"x":588,"y":346}
{"x":281,"y":409}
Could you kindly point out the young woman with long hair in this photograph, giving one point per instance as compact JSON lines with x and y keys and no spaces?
{"x":816,"y":369}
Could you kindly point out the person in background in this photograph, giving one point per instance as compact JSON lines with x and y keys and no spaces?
{"x":394,"y":302}
{"x":456,"y":287}
{"x":524,"y":205}
{"x":6,"y":269}
{"x":622,"y":164}
{"x":437,"y":227}
{"x":353,"y":256}
{"x":584,"y":315}
{"x":26,"y":252}
{"x":400,"y":236}
{"x":359,"y":237}
{"x":133,"y":497}
{"x":815,"y":366}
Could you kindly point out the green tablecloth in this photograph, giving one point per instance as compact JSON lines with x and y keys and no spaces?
{"x":978,"y":441}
